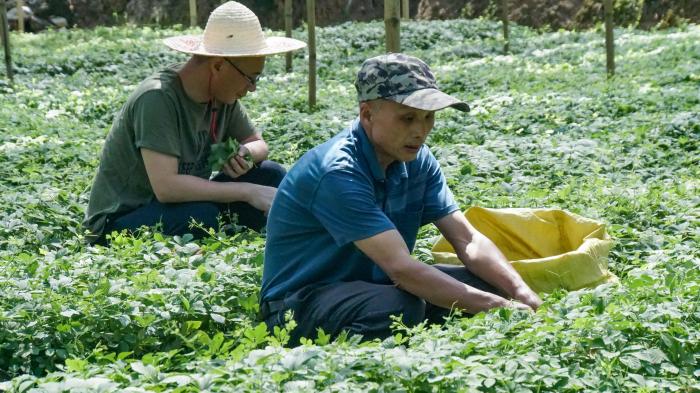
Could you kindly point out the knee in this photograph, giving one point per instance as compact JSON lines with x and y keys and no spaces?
{"x":271,"y":173}
{"x":412,"y":308}
{"x":205,"y":213}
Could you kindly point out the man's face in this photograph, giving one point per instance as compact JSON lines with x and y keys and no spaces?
{"x":397,"y":131}
{"x":237,"y":77}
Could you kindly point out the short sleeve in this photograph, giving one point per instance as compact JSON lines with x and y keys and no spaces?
{"x":344,"y":203}
{"x":154,"y":123}
{"x":238,"y":124}
{"x":438,"y":200}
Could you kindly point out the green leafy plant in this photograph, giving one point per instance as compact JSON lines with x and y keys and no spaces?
{"x":222,"y":152}
{"x":547,"y":129}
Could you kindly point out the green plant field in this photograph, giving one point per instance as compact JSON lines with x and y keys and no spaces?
{"x":547,"y":129}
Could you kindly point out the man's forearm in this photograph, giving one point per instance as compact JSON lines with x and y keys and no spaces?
{"x":440,"y":289}
{"x":389,"y":251}
{"x":484,"y":259}
{"x":186,"y":188}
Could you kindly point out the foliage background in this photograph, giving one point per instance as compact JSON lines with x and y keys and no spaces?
{"x":555,"y":14}
{"x":547,"y":129}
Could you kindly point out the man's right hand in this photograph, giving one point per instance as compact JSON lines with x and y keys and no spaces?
{"x":528,"y":297}
{"x":520,"y":306}
{"x":261,"y":197}
{"x":236,"y":166}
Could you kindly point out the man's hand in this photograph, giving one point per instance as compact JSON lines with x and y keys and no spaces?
{"x":519,"y":306}
{"x":481,"y":256}
{"x":261,"y":197}
{"x":237,"y":165}
{"x":526,"y":296}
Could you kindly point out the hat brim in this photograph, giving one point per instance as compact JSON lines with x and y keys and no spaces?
{"x":429,"y":100}
{"x":192,"y":44}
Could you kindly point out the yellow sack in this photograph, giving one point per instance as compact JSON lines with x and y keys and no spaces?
{"x":549,"y":248}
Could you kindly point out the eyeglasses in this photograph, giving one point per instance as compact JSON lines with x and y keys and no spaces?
{"x":252,"y":81}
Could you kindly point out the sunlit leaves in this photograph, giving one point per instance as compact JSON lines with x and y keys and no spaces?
{"x":546,"y":129}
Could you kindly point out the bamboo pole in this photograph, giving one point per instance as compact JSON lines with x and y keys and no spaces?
{"x":405,"y":14}
{"x":20,"y":16}
{"x":311,"y":22}
{"x":506,"y":29}
{"x":193,"y":13}
{"x":609,"y":38}
{"x":6,"y":40}
{"x":288,"y":31}
{"x":392,"y":25}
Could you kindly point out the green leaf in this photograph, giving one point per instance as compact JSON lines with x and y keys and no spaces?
{"x":221,"y":152}
{"x":652,"y":355}
{"x":217,"y":318}
{"x":124,"y":355}
{"x":322,"y":338}
{"x":638,"y":379}
{"x":216,"y":342}
{"x":144,"y":369}
{"x":631,"y":362}
{"x":77,"y":365}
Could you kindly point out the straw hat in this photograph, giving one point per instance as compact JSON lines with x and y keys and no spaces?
{"x":233,"y":31}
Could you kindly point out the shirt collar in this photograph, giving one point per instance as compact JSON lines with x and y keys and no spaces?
{"x":395,"y":168}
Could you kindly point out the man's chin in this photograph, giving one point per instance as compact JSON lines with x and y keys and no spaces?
{"x":408,"y":157}
{"x":234,"y":99}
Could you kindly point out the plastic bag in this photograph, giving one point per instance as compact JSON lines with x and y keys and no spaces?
{"x":549,"y":248}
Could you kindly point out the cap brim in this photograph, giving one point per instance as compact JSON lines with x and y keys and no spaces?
{"x":430,"y":100}
{"x":192,"y":44}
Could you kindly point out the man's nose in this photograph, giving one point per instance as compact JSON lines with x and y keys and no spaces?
{"x":422,"y":129}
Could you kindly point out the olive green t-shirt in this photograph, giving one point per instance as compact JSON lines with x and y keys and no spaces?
{"x":158,"y":116}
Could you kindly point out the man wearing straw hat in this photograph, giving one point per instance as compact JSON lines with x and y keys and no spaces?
{"x":154,"y":170}
{"x":345,"y":219}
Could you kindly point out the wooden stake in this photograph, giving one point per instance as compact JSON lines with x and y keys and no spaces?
{"x":506,"y":30}
{"x":609,"y":38}
{"x":392,"y":25}
{"x":193,"y":13}
{"x":20,"y":16}
{"x":6,"y":41}
{"x":405,"y":10}
{"x":288,"y":31}
{"x":311,"y":22}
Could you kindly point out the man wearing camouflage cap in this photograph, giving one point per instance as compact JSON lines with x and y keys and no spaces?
{"x":345,"y":219}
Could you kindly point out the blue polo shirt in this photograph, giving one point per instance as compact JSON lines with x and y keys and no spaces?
{"x":338,"y":193}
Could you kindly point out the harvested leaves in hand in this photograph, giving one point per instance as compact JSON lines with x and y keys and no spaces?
{"x":223,"y":151}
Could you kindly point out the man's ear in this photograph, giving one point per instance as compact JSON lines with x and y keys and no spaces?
{"x":366,"y":113}
{"x":216,"y":63}
{"x":365,"y":110}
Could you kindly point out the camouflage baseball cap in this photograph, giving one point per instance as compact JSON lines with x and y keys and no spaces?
{"x":404,"y":79}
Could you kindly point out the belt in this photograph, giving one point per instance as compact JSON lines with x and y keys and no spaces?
{"x":270,"y":307}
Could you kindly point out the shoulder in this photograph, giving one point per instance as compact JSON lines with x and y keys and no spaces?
{"x":160,"y":86}
{"x":339,"y":154}
{"x":330,"y":164}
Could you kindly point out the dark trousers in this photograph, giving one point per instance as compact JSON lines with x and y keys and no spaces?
{"x":360,"y":307}
{"x":175,"y":218}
